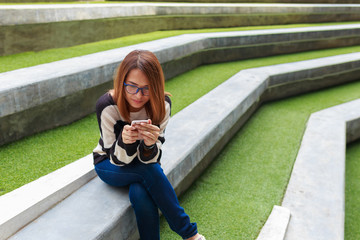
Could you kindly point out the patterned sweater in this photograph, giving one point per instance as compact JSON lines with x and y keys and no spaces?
{"x":111,"y":124}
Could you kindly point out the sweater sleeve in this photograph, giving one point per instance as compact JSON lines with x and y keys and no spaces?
{"x":111,"y":135}
{"x":155,"y":153}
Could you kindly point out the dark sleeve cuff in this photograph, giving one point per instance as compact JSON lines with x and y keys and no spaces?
{"x":130,"y":149}
{"x":150,"y":154}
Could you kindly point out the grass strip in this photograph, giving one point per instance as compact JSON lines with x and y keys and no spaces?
{"x":352,"y":192}
{"x":28,"y":59}
{"x":30,"y":158}
{"x":234,"y":196}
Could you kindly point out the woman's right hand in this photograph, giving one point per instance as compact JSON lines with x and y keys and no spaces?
{"x":129,"y":134}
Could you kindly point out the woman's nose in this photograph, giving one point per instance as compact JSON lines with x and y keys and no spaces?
{"x":139,"y":94}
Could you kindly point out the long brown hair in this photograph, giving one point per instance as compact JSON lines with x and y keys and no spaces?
{"x":147,"y":62}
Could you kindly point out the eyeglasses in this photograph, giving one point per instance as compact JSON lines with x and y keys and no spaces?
{"x":132,"y":89}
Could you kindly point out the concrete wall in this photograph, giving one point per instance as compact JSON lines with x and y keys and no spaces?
{"x":315,"y":195}
{"x":55,"y":26}
{"x":37,"y":97}
{"x":203,"y":1}
{"x":259,"y":1}
{"x":222,"y":112}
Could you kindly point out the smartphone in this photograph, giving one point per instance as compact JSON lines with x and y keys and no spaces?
{"x":138,"y":122}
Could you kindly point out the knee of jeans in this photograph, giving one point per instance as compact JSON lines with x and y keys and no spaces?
{"x":140,"y":198}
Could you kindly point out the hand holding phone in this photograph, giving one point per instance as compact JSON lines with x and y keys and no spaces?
{"x":135,"y":124}
{"x":138,"y":122}
{"x":146,"y":131}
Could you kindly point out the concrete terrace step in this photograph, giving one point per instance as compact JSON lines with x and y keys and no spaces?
{"x":206,"y":1}
{"x":30,"y":14}
{"x":97,"y":211}
{"x":316,"y":191}
{"x":276,"y":225}
{"x":37,"y":27}
{"x":315,"y":196}
{"x":58,"y":87}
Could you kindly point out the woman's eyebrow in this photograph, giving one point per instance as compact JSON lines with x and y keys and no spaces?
{"x":133,"y":83}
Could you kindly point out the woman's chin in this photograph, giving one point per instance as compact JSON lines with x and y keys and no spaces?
{"x":136,"y":106}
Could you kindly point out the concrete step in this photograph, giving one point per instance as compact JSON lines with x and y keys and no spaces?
{"x":316,"y":191}
{"x":315,"y":196}
{"x":37,"y":97}
{"x":38,"y":13}
{"x":276,"y":225}
{"x":221,"y":113}
{"x":37,"y":27}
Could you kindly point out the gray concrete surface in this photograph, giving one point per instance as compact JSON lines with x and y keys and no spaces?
{"x":37,"y":97}
{"x":200,"y":1}
{"x":30,"y":14}
{"x":276,"y":225}
{"x":221,"y":113}
{"x":28,"y":202}
{"x":316,"y":191}
{"x":34,"y":28}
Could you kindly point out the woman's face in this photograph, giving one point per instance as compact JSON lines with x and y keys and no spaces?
{"x":136,"y":78}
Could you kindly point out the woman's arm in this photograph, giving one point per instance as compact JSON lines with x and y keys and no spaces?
{"x":111,"y":128}
{"x":119,"y":150}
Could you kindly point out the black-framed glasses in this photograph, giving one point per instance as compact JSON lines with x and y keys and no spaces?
{"x":132,"y":89}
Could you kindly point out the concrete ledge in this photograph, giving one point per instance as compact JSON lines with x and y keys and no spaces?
{"x":276,"y":225}
{"x":38,"y":96}
{"x":26,"y":203}
{"x":255,"y":1}
{"x":316,"y":191}
{"x":204,"y":1}
{"x":34,"y":28}
{"x":30,"y":14}
{"x":240,"y":96}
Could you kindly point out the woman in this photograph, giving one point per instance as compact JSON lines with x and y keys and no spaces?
{"x":129,"y":154}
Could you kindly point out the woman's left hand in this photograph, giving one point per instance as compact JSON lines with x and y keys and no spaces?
{"x":148,"y":132}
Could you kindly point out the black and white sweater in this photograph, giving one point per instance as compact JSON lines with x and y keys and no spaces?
{"x":111,"y":124}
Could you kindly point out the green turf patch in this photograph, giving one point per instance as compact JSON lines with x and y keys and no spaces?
{"x":235,"y":195}
{"x":28,"y":59}
{"x":28,"y":159}
{"x":198,"y":82}
{"x":352,"y":192}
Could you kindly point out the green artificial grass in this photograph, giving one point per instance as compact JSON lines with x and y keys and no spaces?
{"x":352,"y":192}
{"x":35,"y":156}
{"x":201,"y":80}
{"x":28,"y":159}
{"x":28,"y":59}
{"x":234,"y":196}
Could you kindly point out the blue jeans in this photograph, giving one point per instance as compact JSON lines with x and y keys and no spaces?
{"x":149,"y":190}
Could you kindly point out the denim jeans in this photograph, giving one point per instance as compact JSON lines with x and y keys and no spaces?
{"x":149,"y":190}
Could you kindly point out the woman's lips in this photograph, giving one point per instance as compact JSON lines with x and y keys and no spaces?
{"x":137,"y":102}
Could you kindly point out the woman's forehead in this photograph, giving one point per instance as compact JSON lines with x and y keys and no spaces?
{"x":137,"y":77}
